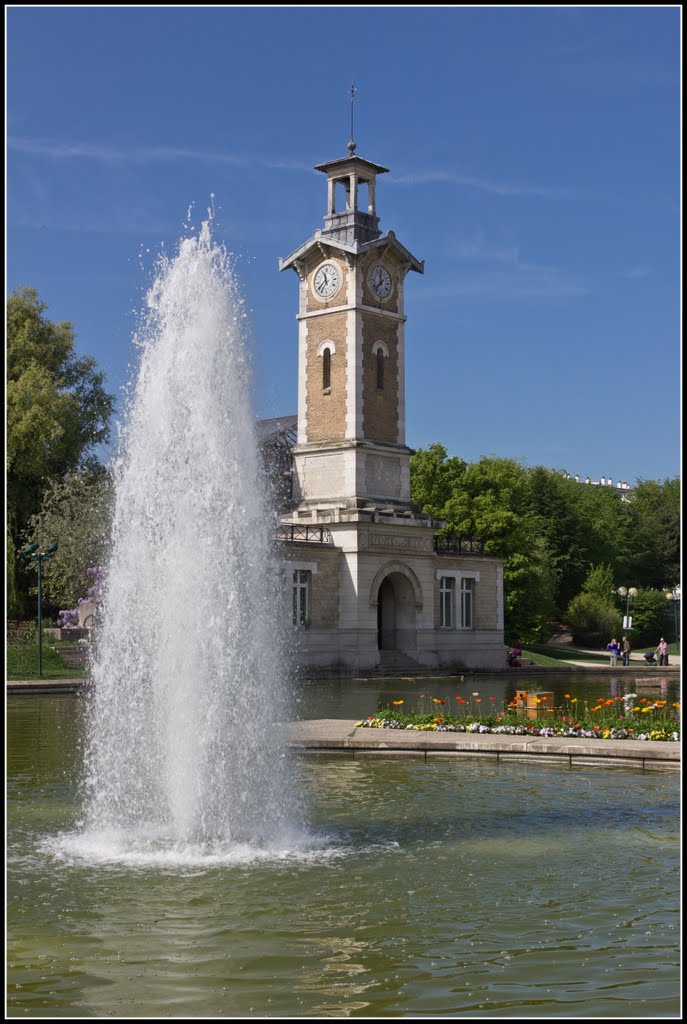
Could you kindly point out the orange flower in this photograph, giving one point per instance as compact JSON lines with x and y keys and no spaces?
{"x":597,"y":727}
{"x":398,"y":702}
{"x":567,"y":696}
{"x":492,"y":698}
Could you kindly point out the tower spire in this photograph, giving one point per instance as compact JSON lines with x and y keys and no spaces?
{"x":351,"y":141}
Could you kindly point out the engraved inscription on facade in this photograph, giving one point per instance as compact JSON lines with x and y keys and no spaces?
{"x":387,"y":540}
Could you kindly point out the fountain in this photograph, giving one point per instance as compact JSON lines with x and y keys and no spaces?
{"x":189,"y":671}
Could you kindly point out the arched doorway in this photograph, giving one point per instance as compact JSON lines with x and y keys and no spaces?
{"x":396,"y":614}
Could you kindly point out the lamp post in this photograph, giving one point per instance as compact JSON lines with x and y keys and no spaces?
{"x":35,"y":555}
{"x":630,"y":595}
{"x":674,"y":597}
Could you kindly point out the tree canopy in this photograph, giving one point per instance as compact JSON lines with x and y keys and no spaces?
{"x":58,"y":410}
{"x":76,"y":513}
{"x":557,"y":536}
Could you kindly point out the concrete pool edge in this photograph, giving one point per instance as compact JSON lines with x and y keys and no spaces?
{"x":341,"y":736}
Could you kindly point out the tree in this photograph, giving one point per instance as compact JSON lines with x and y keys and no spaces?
{"x":655,"y":530}
{"x":57,"y":408}
{"x":77,"y":514}
{"x":592,"y":615}
{"x":552,"y":499}
{"x":651,"y":618}
{"x":486,"y":499}
{"x":434,"y":478}
{"x":599,"y":583}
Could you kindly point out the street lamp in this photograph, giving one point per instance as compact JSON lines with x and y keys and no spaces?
{"x":35,"y":555}
{"x":630,"y":595}
{"x":674,"y":597}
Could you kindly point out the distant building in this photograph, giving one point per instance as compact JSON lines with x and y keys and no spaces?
{"x":622,"y":488}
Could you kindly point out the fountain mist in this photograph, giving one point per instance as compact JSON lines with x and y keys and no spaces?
{"x":189,"y":669}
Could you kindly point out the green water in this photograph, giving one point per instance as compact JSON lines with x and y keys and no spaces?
{"x":435,"y":888}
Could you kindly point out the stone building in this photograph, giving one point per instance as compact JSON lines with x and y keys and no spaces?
{"x":372,"y":586}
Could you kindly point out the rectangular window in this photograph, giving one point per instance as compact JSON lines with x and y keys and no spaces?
{"x":446,"y":601}
{"x":301,"y":596}
{"x":467,"y":601}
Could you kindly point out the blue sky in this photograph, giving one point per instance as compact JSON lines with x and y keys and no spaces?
{"x":534,"y":160}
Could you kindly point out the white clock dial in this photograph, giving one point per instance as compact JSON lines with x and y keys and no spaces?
{"x":327,"y":280}
{"x":379,"y":280}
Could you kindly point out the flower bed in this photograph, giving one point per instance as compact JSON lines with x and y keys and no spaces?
{"x":617,"y":718}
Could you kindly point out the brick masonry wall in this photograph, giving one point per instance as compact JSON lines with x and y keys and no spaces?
{"x":326,"y":413}
{"x":380,"y":408}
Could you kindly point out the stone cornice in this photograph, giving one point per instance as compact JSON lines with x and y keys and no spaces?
{"x":345,"y":309}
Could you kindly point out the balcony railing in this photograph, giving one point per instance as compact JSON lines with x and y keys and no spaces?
{"x":458,"y":546}
{"x":304,"y":534}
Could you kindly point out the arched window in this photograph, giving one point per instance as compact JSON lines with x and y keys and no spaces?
{"x":326,"y":369}
{"x":380,"y":369}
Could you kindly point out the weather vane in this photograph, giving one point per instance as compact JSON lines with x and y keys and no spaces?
{"x":351,"y":143}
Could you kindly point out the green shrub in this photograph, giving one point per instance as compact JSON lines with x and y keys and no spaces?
{"x":593,"y":621}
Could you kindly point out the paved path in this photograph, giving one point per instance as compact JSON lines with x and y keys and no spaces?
{"x":636,"y":657}
{"x":332,"y":735}
{"x":45,"y":685}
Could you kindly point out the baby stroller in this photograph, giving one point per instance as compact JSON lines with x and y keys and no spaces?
{"x":650,"y":658}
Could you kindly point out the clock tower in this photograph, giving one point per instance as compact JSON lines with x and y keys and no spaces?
{"x":351,"y":452}
{"x":371,"y":585}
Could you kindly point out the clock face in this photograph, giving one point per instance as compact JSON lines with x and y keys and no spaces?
{"x":379,"y":280}
{"x":327,"y":280}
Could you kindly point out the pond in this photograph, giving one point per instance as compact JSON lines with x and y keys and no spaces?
{"x":358,"y":698}
{"x":431,"y":889}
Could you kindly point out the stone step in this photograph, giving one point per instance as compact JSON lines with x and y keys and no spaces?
{"x":74,"y":657}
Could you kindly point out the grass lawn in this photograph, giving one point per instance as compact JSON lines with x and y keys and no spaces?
{"x":22,"y":663}
{"x":548,"y":654}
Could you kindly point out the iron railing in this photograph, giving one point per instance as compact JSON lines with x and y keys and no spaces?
{"x":458,"y":546}
{"x":304,"y":534}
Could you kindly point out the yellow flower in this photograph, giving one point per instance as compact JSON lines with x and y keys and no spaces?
{"x":644,"y":710}
{"x":397,"y":702}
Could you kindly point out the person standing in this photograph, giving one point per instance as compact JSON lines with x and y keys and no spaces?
{"x":612,"y":649}
{"x":626,"y":651}
{"x":662,"y":652}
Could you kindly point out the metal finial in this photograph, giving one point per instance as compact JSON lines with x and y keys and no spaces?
{"x":351,"y":141}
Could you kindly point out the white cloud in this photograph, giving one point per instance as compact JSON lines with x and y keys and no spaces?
{"x":502,"y":188}
{"x":55,"y":149}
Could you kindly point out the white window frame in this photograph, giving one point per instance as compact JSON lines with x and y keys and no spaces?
{"x":459,"y":576}
{"x":447,"y":602}
{"x":467,"y":602}
{"x":301,"y":591}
